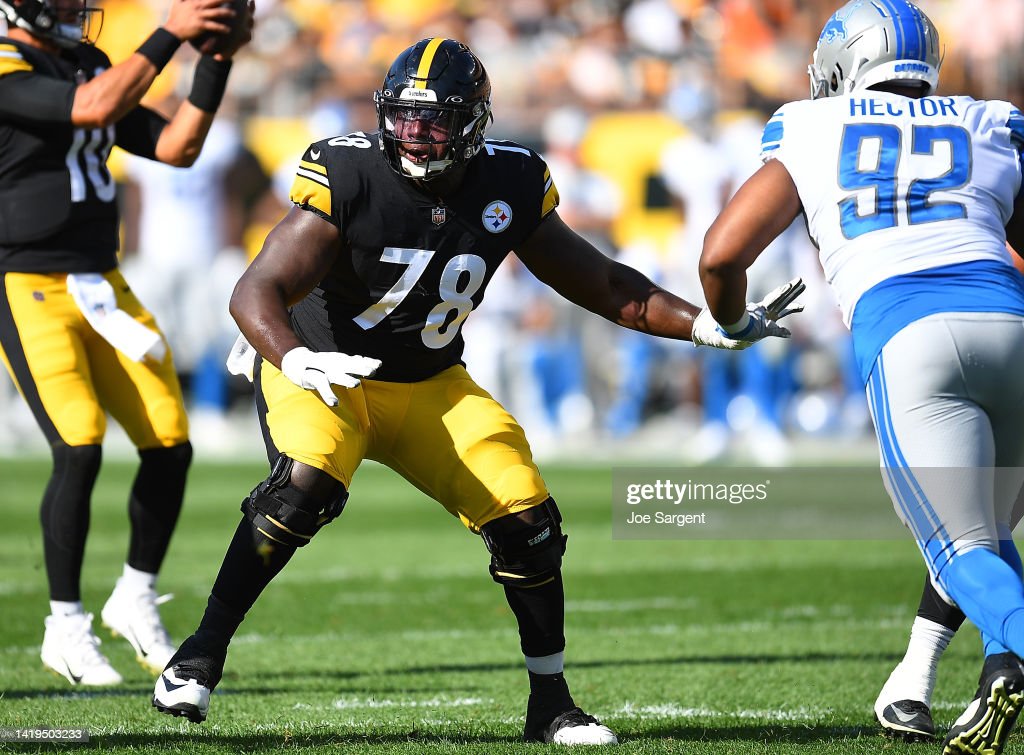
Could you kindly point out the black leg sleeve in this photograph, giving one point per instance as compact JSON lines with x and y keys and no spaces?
{"x":252,"y":561}
{"x":64,"y":516}
{"x":540,"y":612}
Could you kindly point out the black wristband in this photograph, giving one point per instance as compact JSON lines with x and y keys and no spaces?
{"x":159,"y":48}
{"x":209,"y":82}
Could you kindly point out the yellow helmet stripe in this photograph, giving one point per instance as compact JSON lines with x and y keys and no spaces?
{"x":423,"y":72}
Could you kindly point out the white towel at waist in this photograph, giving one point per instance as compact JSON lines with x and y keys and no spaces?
{"x":96,"y":299}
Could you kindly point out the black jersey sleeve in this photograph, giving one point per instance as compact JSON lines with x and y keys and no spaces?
{"x":329,"y":177}
{"x":31,"y":99}
{"x":139,"y":131}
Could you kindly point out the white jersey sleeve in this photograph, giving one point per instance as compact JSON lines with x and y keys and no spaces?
{"x":892,"y":185}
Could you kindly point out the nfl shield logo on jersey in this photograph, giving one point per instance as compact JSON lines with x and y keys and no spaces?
{"x":497,"y":215}
{"x":438,"y":215}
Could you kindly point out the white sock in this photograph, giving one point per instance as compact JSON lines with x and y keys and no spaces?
{"x":66,"y":607}
{"x":914,"y":677}
{"x":546,"y":664}
{"x":135,"y":580}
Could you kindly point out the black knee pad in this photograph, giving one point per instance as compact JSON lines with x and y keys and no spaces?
{"x":288,"y":514}
{"x":525,"y":554}
{"x":76,"y":463}
{"x":175,"y":460}
{"x":64,"y":513}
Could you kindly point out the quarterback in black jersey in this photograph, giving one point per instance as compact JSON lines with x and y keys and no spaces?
{"x":76,"y":341}
{"x":390,"y":245}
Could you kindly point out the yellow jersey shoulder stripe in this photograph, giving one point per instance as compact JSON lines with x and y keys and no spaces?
{"x":315,"y":176}
{"x":312,"y":193}
{"x":313,"y":167}
{"x":11,"y":60}
{"x":550,"y":201}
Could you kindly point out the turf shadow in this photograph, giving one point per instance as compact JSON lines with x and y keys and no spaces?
{"x":730,"y":660}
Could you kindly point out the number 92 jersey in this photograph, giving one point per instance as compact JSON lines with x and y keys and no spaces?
{"x":411,"y":266}
{"x":892,"y":185}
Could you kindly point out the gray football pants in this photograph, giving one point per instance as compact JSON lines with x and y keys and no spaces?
{"x":947,"y":399}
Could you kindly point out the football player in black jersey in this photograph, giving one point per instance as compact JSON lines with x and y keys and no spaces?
{"x":392,"y":240}
{"x":72,"y":335}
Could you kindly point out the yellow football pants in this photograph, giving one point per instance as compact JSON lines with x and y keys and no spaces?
{"x":445,"y":435}
{"x":70,"y":376}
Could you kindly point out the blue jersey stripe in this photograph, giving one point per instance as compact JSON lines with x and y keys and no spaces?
{"x":887,"y":307}
{"x":1016,"y":126}
{"x":772,"y":134}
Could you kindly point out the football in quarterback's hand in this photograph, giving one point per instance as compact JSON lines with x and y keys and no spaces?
{"x":210,"y":43}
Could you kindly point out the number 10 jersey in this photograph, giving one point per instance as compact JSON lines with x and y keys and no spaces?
{"x":58,"y":209}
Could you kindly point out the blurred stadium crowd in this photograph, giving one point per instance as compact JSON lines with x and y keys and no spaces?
{"x":649,"y":114}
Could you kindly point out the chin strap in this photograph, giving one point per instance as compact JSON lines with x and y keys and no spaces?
{"x":431,"y":169}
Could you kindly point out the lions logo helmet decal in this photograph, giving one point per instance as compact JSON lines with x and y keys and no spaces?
{"x":497,"y":216}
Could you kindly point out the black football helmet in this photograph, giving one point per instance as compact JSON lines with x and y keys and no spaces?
{"x":441,"y":87}
{"x":49,"y":20}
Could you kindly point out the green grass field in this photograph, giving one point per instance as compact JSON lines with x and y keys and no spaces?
{"x":387,"y":634}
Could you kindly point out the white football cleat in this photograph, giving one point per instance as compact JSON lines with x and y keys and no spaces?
{"x":133,"y":615}
{"x":179,"y":696}
{"x":572,"y":727}
{"x":72,"y":650}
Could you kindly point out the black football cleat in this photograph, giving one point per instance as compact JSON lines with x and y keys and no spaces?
{"x":184,"y":687}
{"x":909,"y":720}
{"x":984,"y":727}
{"x":571,"y":727}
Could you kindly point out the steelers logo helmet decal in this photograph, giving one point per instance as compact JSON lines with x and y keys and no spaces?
{"x":497,"y":216}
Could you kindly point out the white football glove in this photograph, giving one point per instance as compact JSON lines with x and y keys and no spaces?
{"x":759,"y":321}
{"x":316,"y":371}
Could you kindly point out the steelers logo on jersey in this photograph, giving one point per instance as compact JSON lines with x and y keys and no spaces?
{"x":497,"y":216}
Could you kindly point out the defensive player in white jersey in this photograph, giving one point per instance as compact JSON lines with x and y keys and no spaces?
{"x":911,"y":199}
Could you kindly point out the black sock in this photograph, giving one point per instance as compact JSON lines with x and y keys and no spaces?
{"x":934,"y":608}
{"x":540,"y":612}
{"x":549,"y":692}
{"x":218,"y":626}
{"x":252,"y":561}
{"x":155,"y":503}
{"x":64,"y":516}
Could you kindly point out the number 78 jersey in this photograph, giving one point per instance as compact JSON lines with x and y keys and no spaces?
{"x":411,"y":266}
{"x":892,"y":185}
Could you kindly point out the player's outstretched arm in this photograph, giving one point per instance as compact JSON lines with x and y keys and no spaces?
{"x":574,"y":268}
{"x":762,"y":209}
{"x":568,"y":263}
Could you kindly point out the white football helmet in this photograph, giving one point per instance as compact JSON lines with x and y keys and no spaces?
{"x":867,"y":42}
